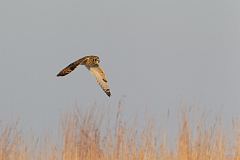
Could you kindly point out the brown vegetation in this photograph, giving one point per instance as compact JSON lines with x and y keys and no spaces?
{"x":84,"y":138}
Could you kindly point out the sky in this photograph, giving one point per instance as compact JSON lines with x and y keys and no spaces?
{"x":157,"y":54}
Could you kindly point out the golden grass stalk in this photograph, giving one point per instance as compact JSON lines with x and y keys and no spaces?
{"x":85,"y":138}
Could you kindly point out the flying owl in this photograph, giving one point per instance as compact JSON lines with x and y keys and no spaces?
{"x":92,"y":64}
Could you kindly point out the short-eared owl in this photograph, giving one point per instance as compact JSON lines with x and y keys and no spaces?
{"x":92,"y":64}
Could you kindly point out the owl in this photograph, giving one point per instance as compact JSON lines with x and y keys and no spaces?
{"x":92,"y":64}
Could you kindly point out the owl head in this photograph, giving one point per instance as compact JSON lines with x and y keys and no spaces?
{"x":96,"y":59}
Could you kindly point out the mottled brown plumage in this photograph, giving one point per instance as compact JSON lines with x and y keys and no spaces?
{"x":92,"y":64}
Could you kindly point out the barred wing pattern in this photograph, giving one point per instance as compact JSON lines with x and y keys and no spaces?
{"x":101,"y":78}
{"x":71,"y":67}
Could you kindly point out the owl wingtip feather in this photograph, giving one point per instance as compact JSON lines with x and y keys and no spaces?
{"x":108,"y":93}
{"x":59,"y":74}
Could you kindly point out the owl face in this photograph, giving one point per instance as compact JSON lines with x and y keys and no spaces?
{"x":92,"y":61}
{"x":96,"y":59}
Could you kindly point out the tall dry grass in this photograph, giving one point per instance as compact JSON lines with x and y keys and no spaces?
{"x":85,"y":137}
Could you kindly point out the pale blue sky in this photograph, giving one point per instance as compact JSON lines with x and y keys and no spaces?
{"x":155,"y":53}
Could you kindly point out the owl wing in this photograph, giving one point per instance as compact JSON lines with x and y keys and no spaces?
{"x":101,"y":78}
{"x":71,"y":67}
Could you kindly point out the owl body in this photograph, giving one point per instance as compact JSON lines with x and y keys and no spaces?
{"x":92,"y":64}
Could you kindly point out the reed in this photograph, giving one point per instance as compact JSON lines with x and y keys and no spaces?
{"x":85,"y":137}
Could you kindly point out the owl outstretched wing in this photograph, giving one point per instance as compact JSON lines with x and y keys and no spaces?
{"x":101,"y":78}
{"x":71,"y":67}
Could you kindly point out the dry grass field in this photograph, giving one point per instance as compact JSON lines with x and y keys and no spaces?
{"x":84,"y":139}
